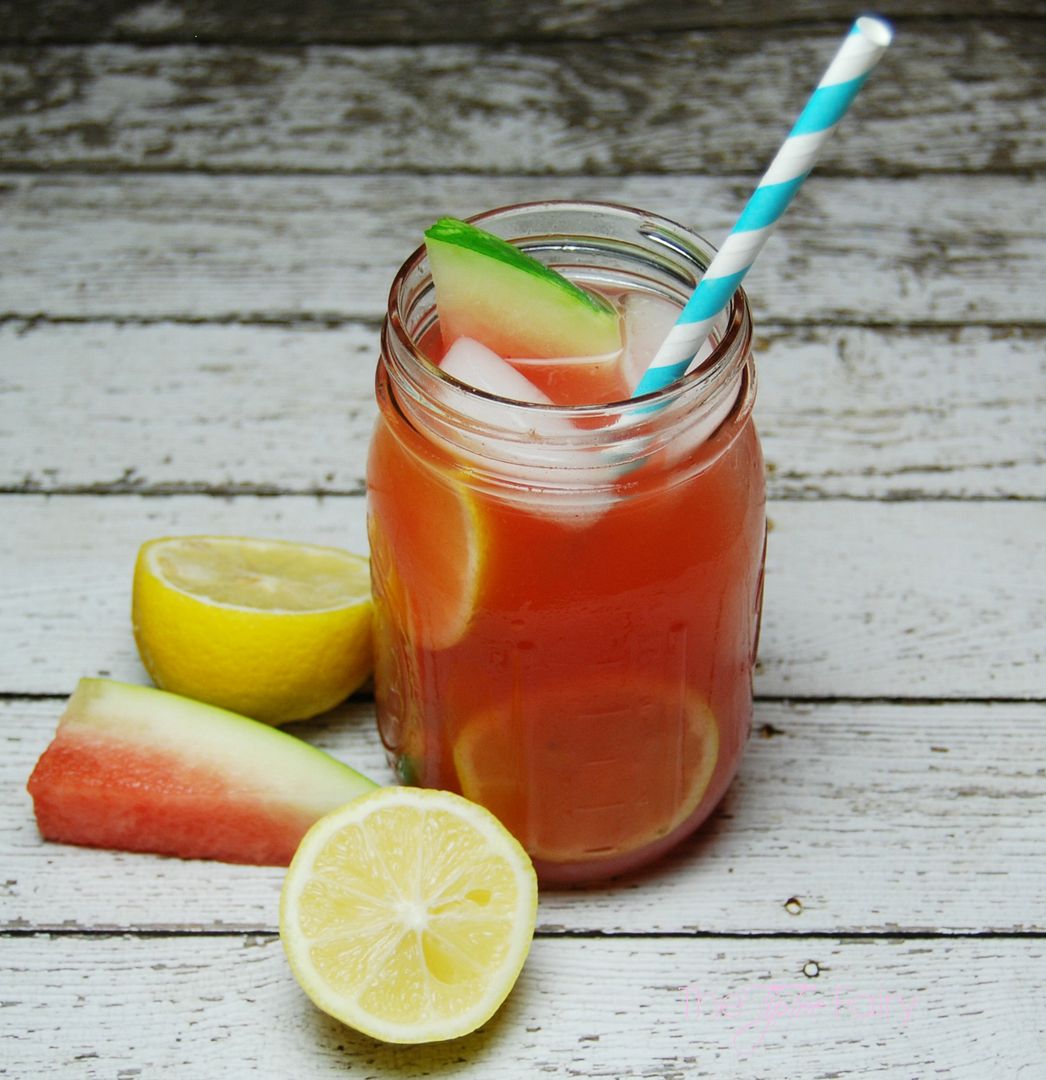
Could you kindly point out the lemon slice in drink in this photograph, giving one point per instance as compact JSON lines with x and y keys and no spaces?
{"x":407,"y":914}
{"x":274,"y":630}
{"x":428,"y":543}
{"x":590,"y":769}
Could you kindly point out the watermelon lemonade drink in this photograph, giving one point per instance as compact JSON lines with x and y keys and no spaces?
{"x":567,"y":583}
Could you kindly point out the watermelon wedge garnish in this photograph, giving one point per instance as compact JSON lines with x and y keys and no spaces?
{"x":492,"y":292}
{"x":139,"y":769}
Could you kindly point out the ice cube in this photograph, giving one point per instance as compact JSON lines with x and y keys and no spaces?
{"x":472,"y":363}
{"x":531,"y":464}
{"x":647,"y":320}
{"x":475,"y":365}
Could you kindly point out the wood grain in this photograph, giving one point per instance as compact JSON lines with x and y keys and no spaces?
{"x":410,"y":21}
{"x":959,"y":97}
{"x":872,"y":818}
{"x":608,"y":1008}
{"x":931,"y":250}
{"x":849,"y":412}
{"x":201,"y":208}
{"x":863,"y":599}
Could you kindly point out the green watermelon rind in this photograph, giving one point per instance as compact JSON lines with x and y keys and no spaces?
{"x":489,"y":290}
{"x":469,"y":238}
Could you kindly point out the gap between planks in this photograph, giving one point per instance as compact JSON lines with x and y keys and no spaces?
{"x":24,"y":322}
{"x":114,"y":489}
{"x":551,"y":934}
{"x":764,"y":699}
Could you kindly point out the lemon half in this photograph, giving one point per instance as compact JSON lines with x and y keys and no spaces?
{"x":274,"y":630}
{"x":408,"y":913}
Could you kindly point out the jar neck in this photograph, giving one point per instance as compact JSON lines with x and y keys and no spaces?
{"x":621,"y":249}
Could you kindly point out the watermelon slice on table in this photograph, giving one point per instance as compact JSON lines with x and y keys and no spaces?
{"x":143,"y":770}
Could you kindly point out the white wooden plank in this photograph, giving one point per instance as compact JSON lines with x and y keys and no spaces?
{"x":966,"y":1009}
{"x":934,"y":249}
{"x":843,"y":818}
{"x":410,"y":21}
{"x":863,"y":599}
{"x":841,"y":411}
{"x":905,"y":600}
{"x":844,"y":412}
{"x":173,"y":408}
{"x":614,"y":106}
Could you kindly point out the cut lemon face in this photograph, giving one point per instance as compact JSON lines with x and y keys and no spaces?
{"x":274,"y":630}
{"x":590,"y":769}
{"x":428,"y":543}
{"x":407,"y":914}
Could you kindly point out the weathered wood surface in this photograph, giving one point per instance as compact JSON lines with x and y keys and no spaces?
{"x":863,"y":599}
{"x":845,"y":818}
{"x":966,"y":1009}
{"x":932,"y":250}
{"x":850,"y":412}
{"x":866,"y":901}
{"x":341,"y":21}
{"x":964,"y":96}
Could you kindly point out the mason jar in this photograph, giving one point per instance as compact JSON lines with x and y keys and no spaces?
{"x":567,"y":599}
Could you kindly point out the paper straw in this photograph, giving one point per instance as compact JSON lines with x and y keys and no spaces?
{"x":858,"y":54}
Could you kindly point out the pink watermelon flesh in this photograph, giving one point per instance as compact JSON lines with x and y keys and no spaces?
{"x":491,"y":291}
{"x":115,"y":785}
{"x":104,"y":793}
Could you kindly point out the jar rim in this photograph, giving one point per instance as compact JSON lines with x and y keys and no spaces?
{"x":734,"y":340}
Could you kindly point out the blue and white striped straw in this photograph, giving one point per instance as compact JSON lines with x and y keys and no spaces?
{"x":858,"y":54}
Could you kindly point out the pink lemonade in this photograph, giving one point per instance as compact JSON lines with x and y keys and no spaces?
{"x":567,"y":604}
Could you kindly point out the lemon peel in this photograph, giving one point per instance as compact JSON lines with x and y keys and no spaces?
{"x":408,"y":914}
{"x":275,"y":630}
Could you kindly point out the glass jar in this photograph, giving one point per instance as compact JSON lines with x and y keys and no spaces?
{"x":567,"y":599}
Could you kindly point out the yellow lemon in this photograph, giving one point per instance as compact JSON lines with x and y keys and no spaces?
{"x":274,"y":630}
{"x":407,"y":914}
